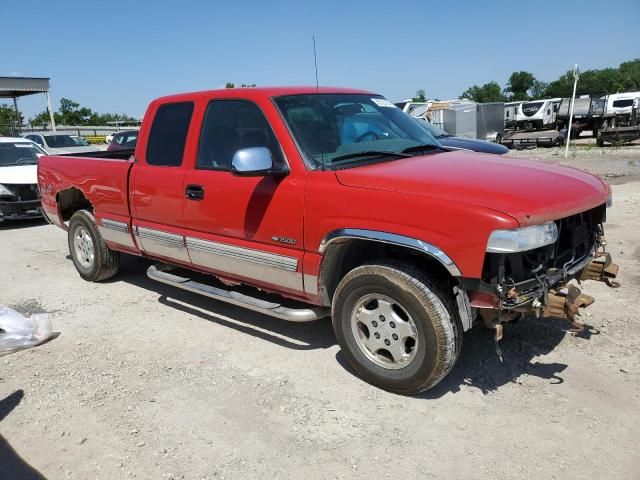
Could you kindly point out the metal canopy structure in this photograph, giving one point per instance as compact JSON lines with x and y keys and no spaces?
{"x":16,"y":87}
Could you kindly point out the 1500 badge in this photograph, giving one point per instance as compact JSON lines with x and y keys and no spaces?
{"x":288,"y":241}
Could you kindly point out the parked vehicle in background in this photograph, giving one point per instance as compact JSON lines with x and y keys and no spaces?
{"x":472,"y":126}
{"x":19,"y":195}
{"x":338,"y":199}
{"x":61,"y":143}
{"x":537,"y":114}
{"x":81,"y":140}
{"x":619,"y":104}
{"x":589,"y":114}
{"x":511,"y":115}
{"x":622,"y":128}
{"x":451,"y":141}
{"x":125,"y":140}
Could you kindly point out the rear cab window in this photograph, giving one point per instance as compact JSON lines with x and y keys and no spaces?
{"x":168,"y":134}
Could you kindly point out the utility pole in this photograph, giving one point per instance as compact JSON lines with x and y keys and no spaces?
{"x":576,"y":75}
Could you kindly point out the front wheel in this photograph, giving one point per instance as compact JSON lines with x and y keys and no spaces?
{"x":93,"y":259}
{"x":397,"y":329}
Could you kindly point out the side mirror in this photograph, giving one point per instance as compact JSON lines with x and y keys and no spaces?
{"x":252,"y":162}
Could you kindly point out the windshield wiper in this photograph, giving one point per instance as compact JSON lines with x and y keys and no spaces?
{"x":426,"y":146}
{"x":369,"y":153}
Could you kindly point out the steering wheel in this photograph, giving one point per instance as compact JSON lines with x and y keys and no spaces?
{"x":22,"y":160}
{"x":365,"y":135}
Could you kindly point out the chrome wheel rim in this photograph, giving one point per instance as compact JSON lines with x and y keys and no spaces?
{"x":384,"y":331}
{"x":83,"y":246}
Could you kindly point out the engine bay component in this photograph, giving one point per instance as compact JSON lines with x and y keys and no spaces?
{"x":602,"y":269}
{"x":565,"y":303}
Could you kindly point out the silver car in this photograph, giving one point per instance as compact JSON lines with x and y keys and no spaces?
{"x":60,"y":143}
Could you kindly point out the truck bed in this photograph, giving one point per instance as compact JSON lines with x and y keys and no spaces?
{"x":102,"y":177}
{"x":113,"y":154}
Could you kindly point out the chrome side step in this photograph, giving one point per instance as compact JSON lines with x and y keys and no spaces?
{"x":159,"y":273}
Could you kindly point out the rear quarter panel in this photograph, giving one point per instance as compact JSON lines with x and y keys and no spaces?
{"x":104,"y":182}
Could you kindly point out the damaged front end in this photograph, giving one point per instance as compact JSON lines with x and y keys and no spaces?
{"x":517,"y":281}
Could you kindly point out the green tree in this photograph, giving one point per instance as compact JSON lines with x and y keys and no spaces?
{"x":562,"y":87}
{"x":519,"y":85}
{"x":538,"y":89}
{"x":43,"y":118}
{"x":8,"y":118}
{"x":71,"y":113}
{"x":229,"y":85}
{"x":630,"y":71}
{"x":421,"y":96}
{"x":489,"y":92}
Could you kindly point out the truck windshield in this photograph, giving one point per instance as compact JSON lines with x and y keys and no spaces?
{"x":433,"y":130}
{"x":330,"y":128}
{"x":18,"y":153}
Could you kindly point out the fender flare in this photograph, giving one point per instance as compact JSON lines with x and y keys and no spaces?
{"x":393,"y":239}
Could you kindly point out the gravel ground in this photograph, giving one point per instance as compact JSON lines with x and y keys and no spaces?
{"x":145,"y":381}
{"x":617,"y":164}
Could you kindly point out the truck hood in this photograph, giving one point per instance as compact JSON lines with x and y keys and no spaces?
{"x":531,"y":192}
{"x":19,"y":175}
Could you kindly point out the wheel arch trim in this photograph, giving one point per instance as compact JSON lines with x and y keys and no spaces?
{"x":393,"y":239}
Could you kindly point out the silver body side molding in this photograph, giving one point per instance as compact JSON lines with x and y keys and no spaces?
{"x":246,"y":262}
{"x":311,"y":284}
{"x":161,"y":243}
{"x":116,"y":232}
{"x":393,"y":239}
{"x":159,"y":273}
{"x":243,"y":254}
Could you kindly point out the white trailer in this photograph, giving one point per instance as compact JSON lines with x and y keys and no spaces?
{"x":511,"y":114}
{"x":537,"y":114}
{"x":621,"y":103}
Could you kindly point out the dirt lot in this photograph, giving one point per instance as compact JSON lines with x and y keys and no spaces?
{"x":148,"y":382}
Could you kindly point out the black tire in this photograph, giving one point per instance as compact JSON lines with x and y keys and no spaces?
{"x":104,"y":263}
{"x":437,"y":326}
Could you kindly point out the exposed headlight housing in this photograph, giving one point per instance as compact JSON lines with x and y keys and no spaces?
{"x":4,"y":191}
{"x":522,"y":239}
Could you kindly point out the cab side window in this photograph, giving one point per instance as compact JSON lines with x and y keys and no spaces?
{"x":168,"y":134}
{"x":231,"y":125}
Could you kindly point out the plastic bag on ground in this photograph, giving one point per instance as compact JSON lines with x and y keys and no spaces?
{"x":18,"y":332}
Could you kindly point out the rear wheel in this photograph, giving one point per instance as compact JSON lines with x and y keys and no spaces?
{"x":91,"y":256}
{"x":397,"y":329}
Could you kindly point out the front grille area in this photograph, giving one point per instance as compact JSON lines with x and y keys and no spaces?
{"x":576,"y":239}
{"x":23,"y":193}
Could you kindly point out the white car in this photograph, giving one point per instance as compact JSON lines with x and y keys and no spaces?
{"x":19,"y":195}
{"x":61,"y":143}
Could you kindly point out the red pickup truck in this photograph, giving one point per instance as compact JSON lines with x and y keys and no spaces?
{"x":338,"y":199}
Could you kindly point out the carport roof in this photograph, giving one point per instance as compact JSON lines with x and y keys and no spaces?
{"x":11,"y":87}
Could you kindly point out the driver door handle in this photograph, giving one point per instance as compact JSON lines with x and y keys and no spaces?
{"x":194,"y":192}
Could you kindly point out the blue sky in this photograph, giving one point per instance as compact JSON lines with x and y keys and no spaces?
{"x":116,"y":56}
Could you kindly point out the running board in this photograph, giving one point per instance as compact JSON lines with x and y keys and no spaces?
{"x":159,"y":273}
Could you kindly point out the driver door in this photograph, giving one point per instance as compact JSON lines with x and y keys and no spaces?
{"x":245,"y":227}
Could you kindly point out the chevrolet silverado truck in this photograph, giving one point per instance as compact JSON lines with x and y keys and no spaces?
{"x":344,"y":206}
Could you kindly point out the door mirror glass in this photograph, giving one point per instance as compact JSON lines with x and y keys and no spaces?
{"x":252,"y":162}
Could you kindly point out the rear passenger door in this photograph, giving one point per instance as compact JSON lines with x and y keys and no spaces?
{"x":157,"y":183}
{"x":244,"y":227}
